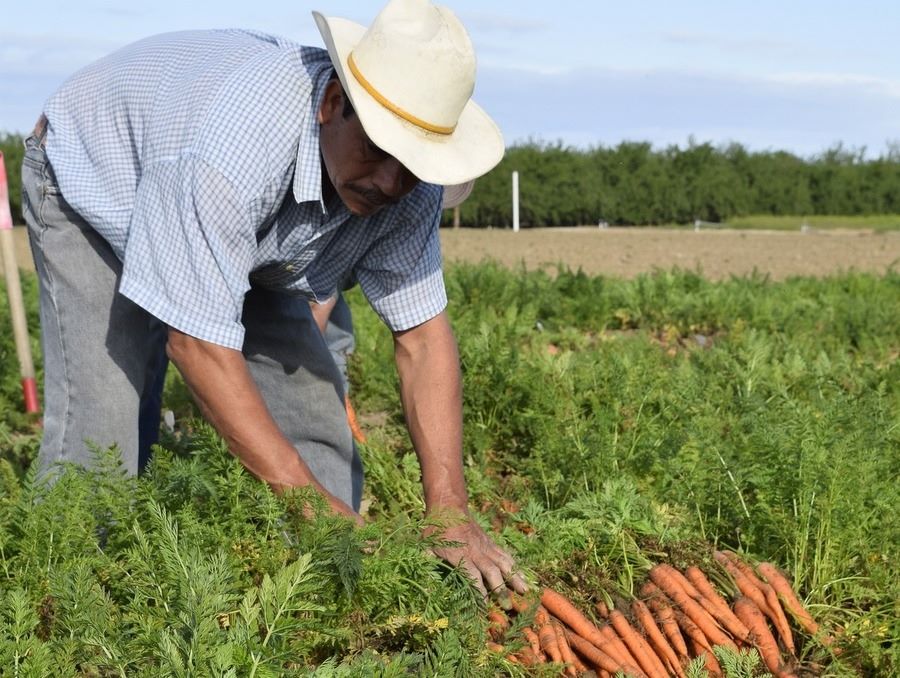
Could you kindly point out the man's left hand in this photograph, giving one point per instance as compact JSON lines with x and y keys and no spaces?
{"x":492,"y":569}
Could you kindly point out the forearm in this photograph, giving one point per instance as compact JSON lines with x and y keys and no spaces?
{"x":431,"y":393}
{"x":229,"y":399}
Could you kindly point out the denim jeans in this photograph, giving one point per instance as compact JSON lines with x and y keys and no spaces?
{"x":105,"y":360}
{"x":340,"y":339}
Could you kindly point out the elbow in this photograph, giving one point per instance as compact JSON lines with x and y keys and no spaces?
{"x":178,"y":347}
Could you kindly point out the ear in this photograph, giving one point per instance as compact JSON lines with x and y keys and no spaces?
{"x":332,"y":102}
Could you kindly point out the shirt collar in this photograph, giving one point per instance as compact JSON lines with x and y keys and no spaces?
{"x":308,"y":170}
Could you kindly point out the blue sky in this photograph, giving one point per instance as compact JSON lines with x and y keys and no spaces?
{"x":787,"y":75}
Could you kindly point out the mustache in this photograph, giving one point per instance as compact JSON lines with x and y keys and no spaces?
{"x":372,"y":195}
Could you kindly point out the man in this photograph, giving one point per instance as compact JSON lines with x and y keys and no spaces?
{"x":333,"y":316}
{"x":186,"y":198}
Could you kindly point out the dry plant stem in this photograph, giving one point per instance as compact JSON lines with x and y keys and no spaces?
{"x":717,"y":605}
{"x":670,"y":585}
{"x":656,"y":637}
{"x":748,"y":612}
{"x":640,"y":650}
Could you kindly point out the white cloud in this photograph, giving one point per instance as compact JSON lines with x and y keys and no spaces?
{"x":593,"y":106}
{"x":844,"y":82}
{"x":727,"y":44}
{"x":49,"y":54}
{"x":503,"y":23}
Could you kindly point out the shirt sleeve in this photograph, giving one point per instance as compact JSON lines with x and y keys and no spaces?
{"x":401,"y":275}
{"x":189,"y":251}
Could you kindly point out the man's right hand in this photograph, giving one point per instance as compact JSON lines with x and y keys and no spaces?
{"x":228,"y":397}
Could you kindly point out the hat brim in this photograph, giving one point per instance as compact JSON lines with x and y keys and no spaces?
{"x":473,"y":149}
{"x":455,"y":195}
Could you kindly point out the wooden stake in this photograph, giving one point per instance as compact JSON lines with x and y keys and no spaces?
{"x":14,"y":292}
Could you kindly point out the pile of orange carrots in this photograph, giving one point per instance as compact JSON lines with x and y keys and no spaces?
{"x":679,"y":616}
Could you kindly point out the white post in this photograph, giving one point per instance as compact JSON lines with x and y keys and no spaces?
{"x":515,"y":198}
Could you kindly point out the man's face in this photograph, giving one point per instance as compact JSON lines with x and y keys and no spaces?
{"x":364,"y":177}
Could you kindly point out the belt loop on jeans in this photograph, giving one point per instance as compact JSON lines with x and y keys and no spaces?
{"x":40,"y":131}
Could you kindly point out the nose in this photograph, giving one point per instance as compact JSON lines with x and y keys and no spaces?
{"x":393,"y":179}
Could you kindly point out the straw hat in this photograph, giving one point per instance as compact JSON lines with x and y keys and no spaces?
{"x":410,"y":77}
{"x":456,"y":194}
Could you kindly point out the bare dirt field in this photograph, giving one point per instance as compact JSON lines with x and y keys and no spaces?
{"x":716,"y":254}
{"x":626,"y":252}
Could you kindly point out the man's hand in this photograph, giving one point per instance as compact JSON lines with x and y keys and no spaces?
{"x":492,"y":569}
{"x":227,"y":395}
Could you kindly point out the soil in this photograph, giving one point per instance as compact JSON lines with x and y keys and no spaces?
{"x":626,"y":252}
{"x":716,"y":254}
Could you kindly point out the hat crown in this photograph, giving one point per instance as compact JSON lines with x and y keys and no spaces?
{"x":418,"y":60}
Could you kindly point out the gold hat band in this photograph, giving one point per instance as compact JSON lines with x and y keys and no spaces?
{"x":409,"y":117}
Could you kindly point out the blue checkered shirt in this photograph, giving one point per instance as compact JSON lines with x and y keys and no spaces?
{"x":196,"y":156}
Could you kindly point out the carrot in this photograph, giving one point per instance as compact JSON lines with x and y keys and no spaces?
{"x":646,"y":657}
{"x":615,"y":647}
{"x":602,"y":609}
{"x":748,"y":586}
{"x":691,"y":631}
{"x":580,"y":666}
{"x":499,"y":622}
{"x":527,"y":657}
{"x":759,"y":592}
{"x":722,"y":612}
{"x":660,"y":606}
{"x":782,"y":586}
{"x":713,"y":667}
{"x":549,"y":643}
{"x":742,"y":566}
{"x":353,"y":422}
{"x":772,"y":607}
{"x":523,"y":604}
{"x":563,"y":609}
{"x":779,"y":619}
{"x":598,"y":657}
{"x":748,"y":612}
{"x":494,"y":647}
{"x":661,"y":576}
{"x":663,"y":649}
{"x":535,"y":643}
{"x":564,"y":650}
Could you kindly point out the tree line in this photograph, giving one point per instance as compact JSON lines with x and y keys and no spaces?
{"x":636,"y":184}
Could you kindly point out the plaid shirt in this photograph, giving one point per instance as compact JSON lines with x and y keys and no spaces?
{"x":181,"y":150}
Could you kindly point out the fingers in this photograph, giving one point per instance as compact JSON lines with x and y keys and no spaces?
{"x":491,"y":569}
